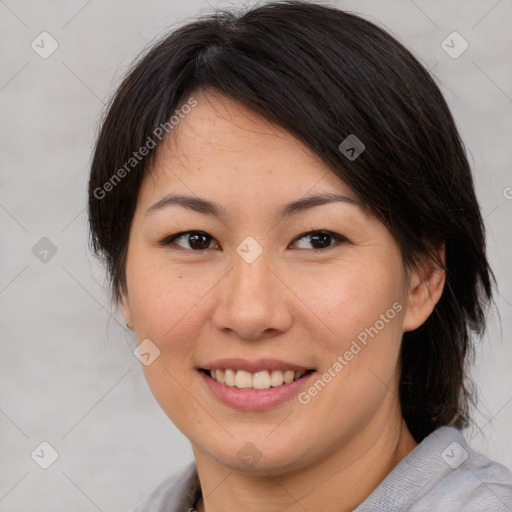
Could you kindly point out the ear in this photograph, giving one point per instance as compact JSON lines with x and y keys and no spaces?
{"x":127,"y":312}
{"x":426,"y":284}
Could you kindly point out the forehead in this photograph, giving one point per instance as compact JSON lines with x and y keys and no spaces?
{"x":223,"y":148}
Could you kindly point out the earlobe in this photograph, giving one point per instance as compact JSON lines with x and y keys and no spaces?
{"x":426,"y":287}
{"x":127,"y":311}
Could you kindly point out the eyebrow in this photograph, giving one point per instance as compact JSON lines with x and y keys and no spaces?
{"x":207,"y":207}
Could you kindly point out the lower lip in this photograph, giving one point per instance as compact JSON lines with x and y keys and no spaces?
{"x":255,"y":399}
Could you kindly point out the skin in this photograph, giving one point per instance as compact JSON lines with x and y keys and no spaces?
{"x":293,"y":303}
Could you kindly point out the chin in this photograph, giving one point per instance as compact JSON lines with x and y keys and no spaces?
{"x":259,"y":458}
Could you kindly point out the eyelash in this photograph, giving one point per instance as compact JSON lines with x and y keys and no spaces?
{"x":168,"y":241}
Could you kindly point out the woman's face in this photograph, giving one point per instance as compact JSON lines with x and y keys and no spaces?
{"x":259,"y":285}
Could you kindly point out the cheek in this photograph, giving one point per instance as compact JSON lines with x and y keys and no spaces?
{"x":361,"y":304}
{"x":158,"y":291}
{"x":352,"y":297}
{"x":168,"y":307}
{"x":362,"y":307}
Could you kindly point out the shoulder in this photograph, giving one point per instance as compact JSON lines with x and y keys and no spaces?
{"x":470,"y":481}
{"x":444,"y":473}
{"x":178,"y":492}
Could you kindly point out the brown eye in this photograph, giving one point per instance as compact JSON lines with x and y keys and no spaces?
{"x":198,"y":241}
{"x":320,"y":239}
{"x":194,"y":240}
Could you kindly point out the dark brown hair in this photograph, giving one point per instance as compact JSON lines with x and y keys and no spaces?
{"x":323,"y":74}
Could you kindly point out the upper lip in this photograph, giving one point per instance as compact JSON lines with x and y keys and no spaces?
{"x":253,"y":366}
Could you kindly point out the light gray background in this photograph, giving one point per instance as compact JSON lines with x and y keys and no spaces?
{"x":67,"y":372}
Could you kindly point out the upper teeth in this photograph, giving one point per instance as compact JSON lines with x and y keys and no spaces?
{"x":258,"y":380}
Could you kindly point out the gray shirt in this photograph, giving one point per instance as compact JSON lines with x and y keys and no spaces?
{"x":442,"y":474}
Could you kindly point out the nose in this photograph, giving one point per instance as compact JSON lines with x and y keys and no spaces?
{"x":253,"y":300}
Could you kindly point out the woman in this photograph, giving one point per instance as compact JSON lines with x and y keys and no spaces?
{"x":290,"y":226}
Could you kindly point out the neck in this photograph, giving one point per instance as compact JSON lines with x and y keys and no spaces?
{"x":338,"y":483}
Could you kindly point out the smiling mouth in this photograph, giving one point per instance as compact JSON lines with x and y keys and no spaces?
{"x":260,"y":380}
